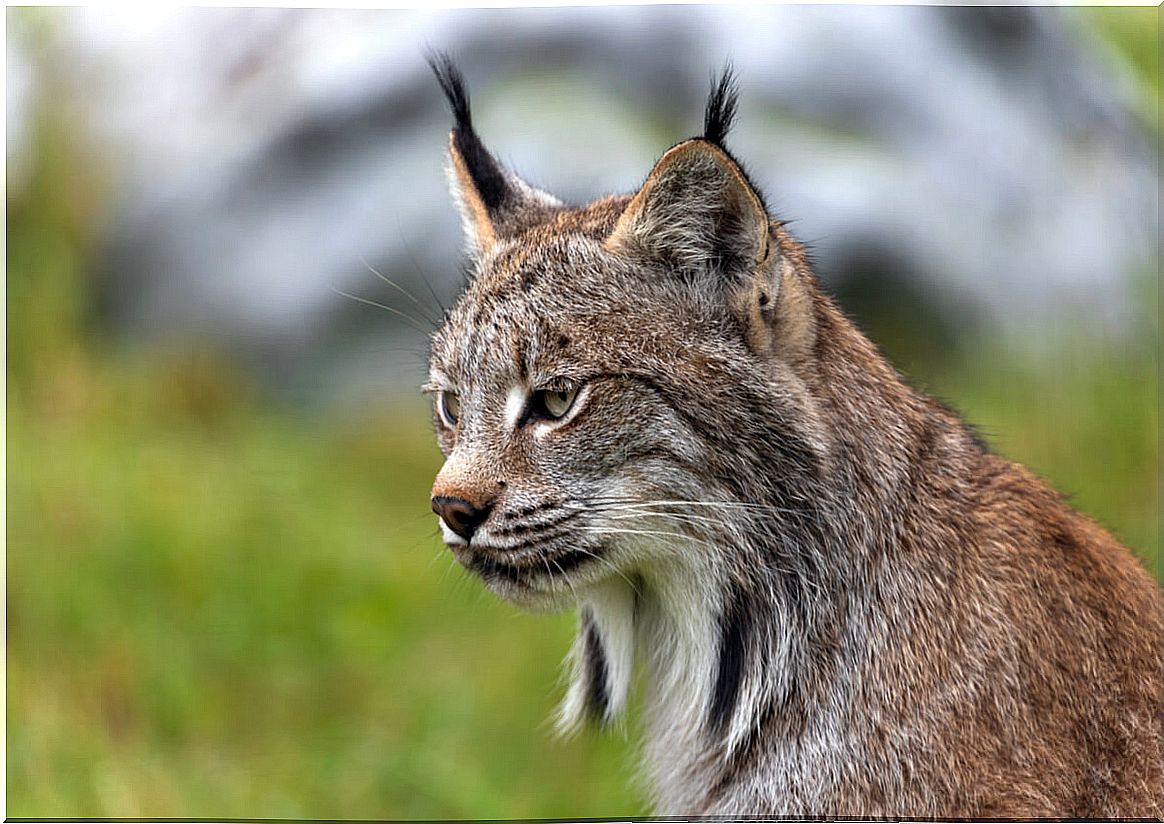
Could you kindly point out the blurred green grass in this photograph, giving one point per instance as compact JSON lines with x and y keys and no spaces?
{"x":219,"y":607}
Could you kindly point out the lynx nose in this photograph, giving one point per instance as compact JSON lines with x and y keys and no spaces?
{"x":461,"y":516}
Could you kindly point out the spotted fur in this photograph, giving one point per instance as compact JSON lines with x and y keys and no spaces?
{"x":839,"y":602}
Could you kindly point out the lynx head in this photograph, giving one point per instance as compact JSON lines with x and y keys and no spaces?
{"x":618,"y":375}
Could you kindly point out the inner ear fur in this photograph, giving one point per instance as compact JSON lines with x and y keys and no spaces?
{"x":696,"y":212}
{"x":475,"y":218}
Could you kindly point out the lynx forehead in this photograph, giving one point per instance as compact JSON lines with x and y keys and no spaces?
{"x":839,"y":601}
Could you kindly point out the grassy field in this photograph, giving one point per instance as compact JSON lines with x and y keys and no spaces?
{"x":221,"y":607}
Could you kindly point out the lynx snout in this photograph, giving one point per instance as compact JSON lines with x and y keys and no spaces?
{"x":459,"y":515}
{"x":520,"y":536}
{"x":463,"y":499}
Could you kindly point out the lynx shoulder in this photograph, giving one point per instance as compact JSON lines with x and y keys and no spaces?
{"x":838,"y":601}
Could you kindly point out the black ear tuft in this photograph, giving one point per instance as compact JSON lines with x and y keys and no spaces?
{"x":453,"y":85}
{"x":721,"y":107}
{"x":487,"y":176}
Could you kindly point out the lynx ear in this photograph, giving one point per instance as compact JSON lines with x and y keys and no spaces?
{"x":493,"y":201}
{"x":697,"y":212}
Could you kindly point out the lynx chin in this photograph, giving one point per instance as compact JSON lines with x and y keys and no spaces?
{"x":839,"y":602}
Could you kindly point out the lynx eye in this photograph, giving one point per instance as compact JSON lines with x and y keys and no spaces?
{"x":555,"y":403}
{"x":449,"y":408}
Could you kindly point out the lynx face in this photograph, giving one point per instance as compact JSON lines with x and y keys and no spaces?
{"x":593,"y":384}
{"x":551,"y":387}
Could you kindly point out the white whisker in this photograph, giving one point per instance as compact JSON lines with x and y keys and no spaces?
{"x":416,"y":323}
{"x":399,"y":288}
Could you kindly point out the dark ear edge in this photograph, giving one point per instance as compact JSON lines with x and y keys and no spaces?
{"x":484,"y":173}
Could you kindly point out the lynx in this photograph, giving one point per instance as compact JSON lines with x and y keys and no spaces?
{"x":840,"y":603}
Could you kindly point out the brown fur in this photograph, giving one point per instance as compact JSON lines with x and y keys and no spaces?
{"x":861,"y":611}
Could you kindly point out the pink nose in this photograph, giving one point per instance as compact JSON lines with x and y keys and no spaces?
{"x":461,"y":516}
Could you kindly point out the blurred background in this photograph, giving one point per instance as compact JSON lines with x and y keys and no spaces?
{"x":228,"y":235}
